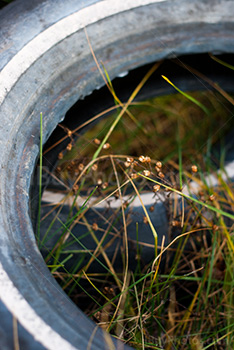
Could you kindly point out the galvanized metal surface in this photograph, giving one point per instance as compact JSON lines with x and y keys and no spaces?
{"x":46,"y":67}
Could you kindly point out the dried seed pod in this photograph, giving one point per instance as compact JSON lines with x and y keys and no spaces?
{"x":146,"y":172}
{"x":130,"y":159}
{"x":69,"y":133}
{"x":134,"y":176}
{"x":106,"y":290}
{"x":112,"y":290}
{"x":69,"y":146}
{"x":175,"y":223}
{"x":97,"y":141}
{"x":75,"y":188}
{"x":60,"y":155}
{"x":145,"y":220}
{"x":99,"y":181}
{"x":157,"y":169}
{"x":94,"y":167}
{"x":215,"y":228}
{"x":81,"y":166}
{"x":105,"y":185}
{"x":159,"y":164}
{"x":98,"y":315}
{"x":116,"y":195}
{"x":127,"y":164}
{"x":106,"y":146}
{"x":95,"y":226}
{"x":151,"y":208}
{"x":194,"y":168}
{"x":147,"y":159}
{"x":142,"y":159}
{"x":156,"y":188}
{"x":160,"y":174}
{"x":212,"y":197}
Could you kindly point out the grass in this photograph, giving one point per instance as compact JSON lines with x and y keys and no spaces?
{"x":173,"y":293}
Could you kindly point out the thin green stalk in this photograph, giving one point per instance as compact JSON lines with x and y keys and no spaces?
{"x":75,"y":280}
{"x":81,"y":210}
{"x":83,"y":246}
{"x":218,"y":60}
{"x":199,"y":104}
{"x":61,"y":264}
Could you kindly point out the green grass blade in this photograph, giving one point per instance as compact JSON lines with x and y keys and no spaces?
{"x":187,"y":96}
{"x":225,"y":64}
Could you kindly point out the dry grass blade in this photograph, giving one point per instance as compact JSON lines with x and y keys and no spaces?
{"x":225,"y":64}
{"x":125,"y":246}
{"x":139,"y":304}
{"x":120,"y":322}
{"x":15,"y":334}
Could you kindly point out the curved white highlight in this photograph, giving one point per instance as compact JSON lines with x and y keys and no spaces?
{"x":11,"y":297}
{"x":57,"y":32}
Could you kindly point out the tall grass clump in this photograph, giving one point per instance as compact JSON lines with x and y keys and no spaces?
{"x":172,"y":148}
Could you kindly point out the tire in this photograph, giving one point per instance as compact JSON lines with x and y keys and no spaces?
{"x":46,"y":66}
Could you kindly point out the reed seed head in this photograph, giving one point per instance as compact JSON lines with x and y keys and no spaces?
{"x":95,"y":226}
{"x":146,"y":172}
{"x":156,"y":188}
{"x":94,"y":167}
{"x":127,"y":164}
{"x":159,"y":164}
{"x":160,"y":174}
{"x":69,"y":146}
{"x":60,"y":155}
{"x":134,"y":176}
{"x":81,"y":166}
{"x":97,"y":141}
{"x":106,"y":146}
{"x":194,"y":168}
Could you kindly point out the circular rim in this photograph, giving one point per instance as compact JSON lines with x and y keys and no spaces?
{"x":52,"y":71}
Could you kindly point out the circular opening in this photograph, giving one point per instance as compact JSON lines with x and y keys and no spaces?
{"x":97,"y":233}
